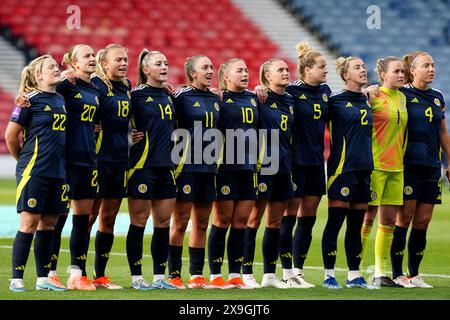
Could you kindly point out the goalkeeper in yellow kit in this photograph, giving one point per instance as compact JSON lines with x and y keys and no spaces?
{"x":388,"y":144}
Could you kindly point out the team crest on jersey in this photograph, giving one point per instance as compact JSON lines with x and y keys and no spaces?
{"x":32,"y":202}
{"x":325,"y":97}
{"x":373,"y":196}
{"x":64,"y":108}
{"x":253,"y":102}
{"x":187,"y":189}
{"x":97,"y":100}
{"x":291,"y":109}
{"x":437,"y":102}
{"x":345,"y":191}
{"x":216,"y":106}
{"x":170,"y":99}
{"x":128,"y":94}
{"x":142,"y":188}
{"x":408,"y":190}
{"x":225,"y":190}
{"x":294,"y":186}
{"x":262,"y":187}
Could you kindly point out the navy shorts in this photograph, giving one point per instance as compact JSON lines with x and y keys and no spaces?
{"x":83,"y":182}
{"x":112,"y":179}
{"x":196,"y":186}
{"x":423,"y":184}
{"x":309,"y":181}
{"x":42,"y":195}
{"x":237,"y":185}
{"x":278,"y":187}
{"x":353,"y":186}
{"x":152,"y":184}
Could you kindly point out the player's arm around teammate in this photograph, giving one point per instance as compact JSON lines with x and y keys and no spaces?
{"x":40,"y":171}
{"x":151,"y":181}
{"x":388,"y":142}
{"x":275,"y":188}
{"x":310,"y":115}
{"x":111,"y":147}
{"x":349,"y":167}
{"x":197,"y":110}
{"x":427,"y":134}
{"x":236,"y":180}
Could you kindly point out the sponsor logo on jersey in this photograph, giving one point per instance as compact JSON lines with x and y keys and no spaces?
{"x":187,"y":189}
{"x":348,"y":105}
{"x":262,"y":187}
{"x":229,"y":100}
{"x":437,"y":102}
{"x":142,"y":188}
{"x":196,"y":104}
{"x":345,"y":191}
{"x":47,"y":108}
{"x":32,"y":202}
{"x":408,"y":190}
{"x":225,"y":190}
{"x":273,"y":105}
{"x":373,"y":196}
{"x":149,"y":99}
{"x":302,"y":97}
{"x":78,"y":96}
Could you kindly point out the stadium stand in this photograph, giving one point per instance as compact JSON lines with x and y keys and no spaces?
{"x":405,"y":26}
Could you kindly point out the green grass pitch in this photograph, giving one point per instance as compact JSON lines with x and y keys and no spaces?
{"x":435,"y":267}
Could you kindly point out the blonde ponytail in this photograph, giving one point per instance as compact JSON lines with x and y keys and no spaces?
{"x":28,"y":82}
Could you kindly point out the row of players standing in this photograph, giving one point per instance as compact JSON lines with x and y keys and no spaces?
{"x":153,"y":180}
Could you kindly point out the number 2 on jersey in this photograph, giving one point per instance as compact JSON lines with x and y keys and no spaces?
{"x":364,"y":121}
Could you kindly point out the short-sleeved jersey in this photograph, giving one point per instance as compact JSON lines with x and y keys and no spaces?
{"x":153,"y":113}
{"x":239,"y":114}
{"x":277,"y":113}
{"x":81,"y":105}
{"x":390,"y":118}
{"x":113,"y":114}
{"x":350,"y":124}
{"x":194,"y":105}
{"x":426,"y":109}
{"x":310,"y":116}
{"x":44,"y":134}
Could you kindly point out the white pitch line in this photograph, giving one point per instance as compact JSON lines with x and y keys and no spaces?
{"x":445,"y":276}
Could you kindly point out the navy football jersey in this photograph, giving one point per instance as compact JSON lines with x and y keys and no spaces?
{"x":277,"y":113}
{"x":350,"y":123}
{"x":310,"y":116}
{"x":81,"y":105}
{"x":194,"y":105}
{"x":153,"y":113}
{"x":239,"y":111}
{"x":113,"y":114}
{"x":44,"y":126}
{"x":426,"y":109}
